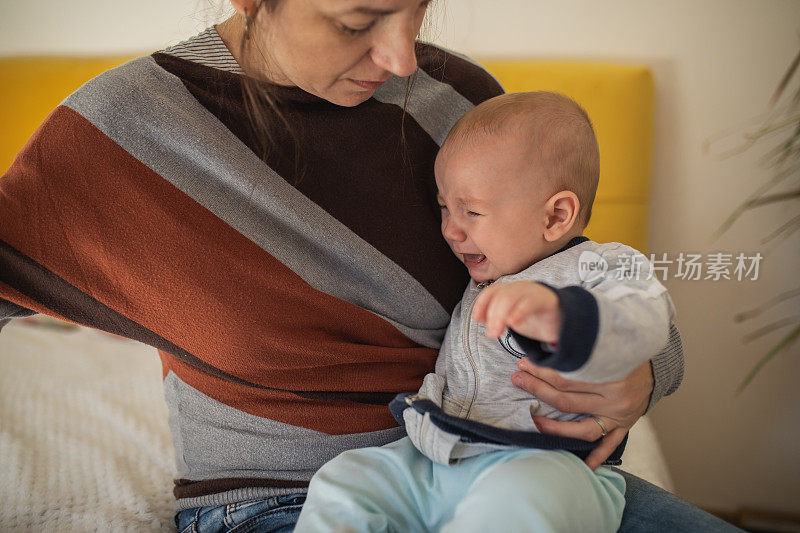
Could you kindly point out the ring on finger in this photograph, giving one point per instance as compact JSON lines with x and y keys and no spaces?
{"x":600,"y":423}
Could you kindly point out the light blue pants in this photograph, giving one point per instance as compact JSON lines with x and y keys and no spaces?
{"x":395,"y":488}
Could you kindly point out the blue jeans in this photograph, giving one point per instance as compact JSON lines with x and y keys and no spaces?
{"x":277,"y":514}
{"x":647,"y":509}
{"x":651,"y":509}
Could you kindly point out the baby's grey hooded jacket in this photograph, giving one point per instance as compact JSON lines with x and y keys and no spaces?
{"x":616,"y":315}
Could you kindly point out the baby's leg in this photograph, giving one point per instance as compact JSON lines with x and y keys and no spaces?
{"x":372,"y":490}
{"x":541,"y":490}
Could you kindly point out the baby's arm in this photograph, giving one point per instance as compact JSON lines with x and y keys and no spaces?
{"x":597,"y":332}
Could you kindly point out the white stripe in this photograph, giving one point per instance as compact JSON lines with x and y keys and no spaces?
{"x":206,"y":48}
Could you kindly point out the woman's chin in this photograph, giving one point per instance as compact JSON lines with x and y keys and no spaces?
{"x":348,"y":98}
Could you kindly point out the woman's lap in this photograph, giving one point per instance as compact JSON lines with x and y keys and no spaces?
{"x":651,"y":509}
{"x":648,"y":509}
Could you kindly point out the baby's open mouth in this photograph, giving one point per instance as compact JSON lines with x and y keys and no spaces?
{"x":474,"y":259}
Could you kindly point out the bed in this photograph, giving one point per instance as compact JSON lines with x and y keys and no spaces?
{"x":80,"y":453}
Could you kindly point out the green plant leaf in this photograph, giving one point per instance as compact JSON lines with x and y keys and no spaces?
{"x":747,"y":204}
{"x":785,"y":80}
{"x":769,"y":328}
{"x":787,"y":341}
{"x":791,"y":225}
{"x":752,"y":313}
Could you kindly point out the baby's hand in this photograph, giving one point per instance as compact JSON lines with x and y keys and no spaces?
{"x":527,"y":307}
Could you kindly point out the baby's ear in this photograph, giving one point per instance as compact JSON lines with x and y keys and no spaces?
{"x":562,"y":213}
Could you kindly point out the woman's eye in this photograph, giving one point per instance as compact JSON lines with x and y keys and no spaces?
{"x":347,"y":30}
{"x":473,"y":214}
{"x":443,"y":207}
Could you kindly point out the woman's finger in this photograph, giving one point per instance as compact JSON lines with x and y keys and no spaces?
{"x":587,"y":429}
{"x":559,"y":382}
{"x":566,"y":402}
{"x":606,"y":447}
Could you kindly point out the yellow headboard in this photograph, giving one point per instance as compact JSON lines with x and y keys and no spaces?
{"x":618,"y":98}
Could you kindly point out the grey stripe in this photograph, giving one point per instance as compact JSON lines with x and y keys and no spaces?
{"x":148,"y":112}
{"x":204,"y":431}
{"x":434,"y":105}
{"x":207,"y":49}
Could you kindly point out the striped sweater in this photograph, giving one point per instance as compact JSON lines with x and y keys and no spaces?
{"x":288,"y":309}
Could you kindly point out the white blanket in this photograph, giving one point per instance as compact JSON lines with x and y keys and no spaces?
{"x":84,"y":442}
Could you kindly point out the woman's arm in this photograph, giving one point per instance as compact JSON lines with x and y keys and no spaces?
{"x":618,"y":404}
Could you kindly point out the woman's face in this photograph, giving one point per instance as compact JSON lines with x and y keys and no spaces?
{"x":339,"y":50}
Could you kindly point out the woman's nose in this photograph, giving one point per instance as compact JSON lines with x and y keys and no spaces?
{"x":393,"y":50}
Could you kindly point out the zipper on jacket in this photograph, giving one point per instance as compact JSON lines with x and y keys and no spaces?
{"x":465,"y":343}
{"x":411,"y":398}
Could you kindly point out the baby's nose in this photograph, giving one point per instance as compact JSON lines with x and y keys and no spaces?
{"x":452,"y":232}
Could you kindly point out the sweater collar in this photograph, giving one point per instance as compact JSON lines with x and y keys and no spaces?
{"x":208,"y":49}
{"x":572,"y":242}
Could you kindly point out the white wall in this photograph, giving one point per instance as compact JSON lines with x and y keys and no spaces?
{"x":93,"y":27}
{"x":716,"y":63}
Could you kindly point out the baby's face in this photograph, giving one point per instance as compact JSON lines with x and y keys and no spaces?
{"x":493,"y":207}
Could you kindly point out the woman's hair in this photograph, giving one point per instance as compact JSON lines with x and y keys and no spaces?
{"x":259,"y":97}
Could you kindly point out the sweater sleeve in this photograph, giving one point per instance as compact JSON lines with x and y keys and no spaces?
{"x":667,"y":367}
{"x":614,"y":323}
{"x":57,"y":251}
{"x":31,"y":223}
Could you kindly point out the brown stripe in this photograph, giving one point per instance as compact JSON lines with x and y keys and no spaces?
{"x":333,"y":416}
{"x":153,"y":264}
{"x":185,"y":488}
{"x":52,"y":295}
{"x":59,"y":299}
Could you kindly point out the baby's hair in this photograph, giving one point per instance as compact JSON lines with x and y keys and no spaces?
{"x":560,"y":133}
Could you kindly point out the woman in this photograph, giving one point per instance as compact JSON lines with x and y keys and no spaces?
{"x":277,"y":241}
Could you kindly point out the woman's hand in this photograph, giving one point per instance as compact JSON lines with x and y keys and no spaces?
{"x":617,"y":404}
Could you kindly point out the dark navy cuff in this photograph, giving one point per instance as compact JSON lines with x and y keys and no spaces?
{"x":581,"y":321}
